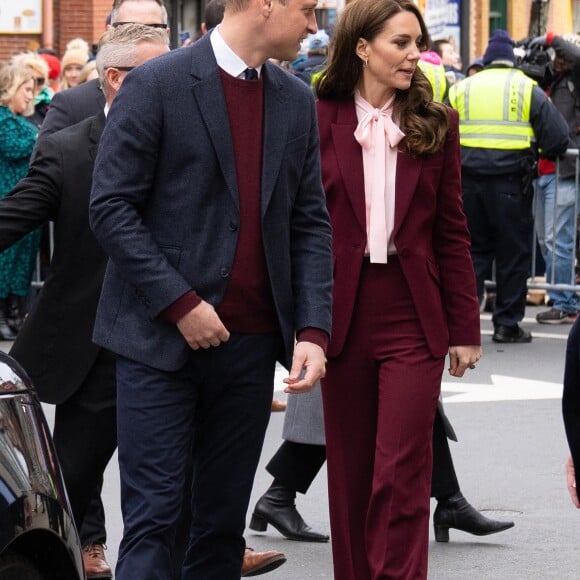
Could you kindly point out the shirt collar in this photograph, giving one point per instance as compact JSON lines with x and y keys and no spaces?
{"x":226,"y":58}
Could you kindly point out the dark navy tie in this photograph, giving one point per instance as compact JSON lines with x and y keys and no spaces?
{"x":251,"y":74}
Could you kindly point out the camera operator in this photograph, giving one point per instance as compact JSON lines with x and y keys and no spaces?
{"x":556,"y":192}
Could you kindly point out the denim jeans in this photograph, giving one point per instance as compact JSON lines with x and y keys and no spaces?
{"x":555,"y":224}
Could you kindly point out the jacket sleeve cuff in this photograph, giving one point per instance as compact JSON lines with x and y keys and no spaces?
{"x":178,"y":309}
{"x":314,"y":335}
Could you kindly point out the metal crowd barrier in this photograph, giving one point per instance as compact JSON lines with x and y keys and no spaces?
{"x":547,"y":281}
{"x":549,"y":284}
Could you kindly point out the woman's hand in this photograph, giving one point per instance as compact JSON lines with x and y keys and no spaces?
{"x":462,"y":358}
{"x":571,"y":482}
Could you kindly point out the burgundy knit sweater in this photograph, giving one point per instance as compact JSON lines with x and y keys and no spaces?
{"x":248,"y":305}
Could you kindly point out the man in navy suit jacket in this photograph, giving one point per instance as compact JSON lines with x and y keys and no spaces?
{"x":211,"y":209}
{"x":54,"y":345}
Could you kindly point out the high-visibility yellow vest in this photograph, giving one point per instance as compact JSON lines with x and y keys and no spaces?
{"x":494,"y":109}
{"x":315,"y":77}
{"x":435,"y":73}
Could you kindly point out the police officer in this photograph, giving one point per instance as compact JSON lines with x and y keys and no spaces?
{"x":504,"y":118}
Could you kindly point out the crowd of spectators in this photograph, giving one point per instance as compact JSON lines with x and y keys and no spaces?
{"x":28,"y":82}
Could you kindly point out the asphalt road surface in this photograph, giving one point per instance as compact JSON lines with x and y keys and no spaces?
{"x":509,"y":460}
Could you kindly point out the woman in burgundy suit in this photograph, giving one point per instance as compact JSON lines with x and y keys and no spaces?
{"x":404,"y":292}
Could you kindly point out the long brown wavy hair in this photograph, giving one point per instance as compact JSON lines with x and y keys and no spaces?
{"x":424,"y":121}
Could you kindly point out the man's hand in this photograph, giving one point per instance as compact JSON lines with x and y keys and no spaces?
{"x":202,"y":327}
{"x":462,"y":358}
{"x":571,"y":482}
{"x":308,"y":359}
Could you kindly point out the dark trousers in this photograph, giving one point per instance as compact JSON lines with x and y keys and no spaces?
{"x":500,"y":222}
{"x":85,"y":438}
{"x":211,"y":414}
{"x":295,"y":465}
{"x":380,"y":397}
{"x":444,"y":481}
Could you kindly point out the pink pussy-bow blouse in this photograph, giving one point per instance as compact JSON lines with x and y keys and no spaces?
{"x":378,"y":136}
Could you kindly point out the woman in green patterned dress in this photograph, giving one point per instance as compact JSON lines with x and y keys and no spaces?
{"x":17,"y":138}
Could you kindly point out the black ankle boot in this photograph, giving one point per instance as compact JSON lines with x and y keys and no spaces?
{"x":456,"y":512}
{"x":6,"y":333}
{"x":277,"y":508}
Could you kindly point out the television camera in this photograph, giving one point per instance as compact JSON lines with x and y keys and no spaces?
{"x":535,"y":59}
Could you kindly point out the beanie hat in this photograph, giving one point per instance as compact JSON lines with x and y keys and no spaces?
{"x":53,"y":65}
{"x":76,"y":56}
{"x":500,"y":47}
{"x":77,"y":52}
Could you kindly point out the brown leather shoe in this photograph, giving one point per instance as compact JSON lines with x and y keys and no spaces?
{"x":95,"y":563}
{"x":256,"y":563}
{"x":278,"y":405}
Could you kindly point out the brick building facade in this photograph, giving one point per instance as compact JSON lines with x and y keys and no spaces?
{"x":62,"y":20}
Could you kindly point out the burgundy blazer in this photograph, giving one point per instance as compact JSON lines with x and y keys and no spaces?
{"x":430,"y":231}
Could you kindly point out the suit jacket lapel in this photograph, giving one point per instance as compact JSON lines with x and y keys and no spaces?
{"x":408,"y":171}
{"x":275,"y":130}
{"x":208,"y":93}
{"x":349,"y":158}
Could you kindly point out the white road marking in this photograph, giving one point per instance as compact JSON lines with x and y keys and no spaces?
{"x":503,"y":388}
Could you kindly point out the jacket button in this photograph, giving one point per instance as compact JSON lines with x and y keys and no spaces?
{"x":233,"y":227}
{"x":225,"y":272}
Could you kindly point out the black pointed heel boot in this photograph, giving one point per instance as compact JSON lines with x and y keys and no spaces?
{"x":277,"y":507}
{"x":6,"y":333}
{"x":456,"y":512}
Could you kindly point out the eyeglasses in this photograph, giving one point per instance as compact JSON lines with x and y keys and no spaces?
{"x":153,"y":25}
{"x":123,"y":68}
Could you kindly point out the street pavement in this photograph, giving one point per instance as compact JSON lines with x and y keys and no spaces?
{"x":509,"y":461}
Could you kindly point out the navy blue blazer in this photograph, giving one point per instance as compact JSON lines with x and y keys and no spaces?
{"x":164,"y":204}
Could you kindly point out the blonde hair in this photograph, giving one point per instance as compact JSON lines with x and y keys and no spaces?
{"x":33,"y":61}
{"x":77,"y":54}
{"x":12,"y":77}
{"x":90,"y":67}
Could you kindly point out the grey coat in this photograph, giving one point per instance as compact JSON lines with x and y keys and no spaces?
{"x":304,"y":421}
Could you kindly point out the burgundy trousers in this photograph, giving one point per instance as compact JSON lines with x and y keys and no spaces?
{"x":380,"y":396}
